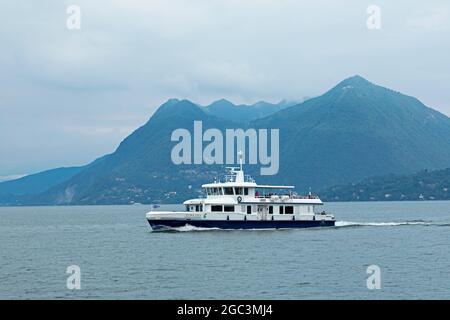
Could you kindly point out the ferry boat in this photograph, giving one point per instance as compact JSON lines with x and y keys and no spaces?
{"x":238,"y":202}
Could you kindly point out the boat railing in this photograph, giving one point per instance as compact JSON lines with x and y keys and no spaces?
{"x":290,"y":196}
{"x":268,"y":196}
{"x":232,"y":178}
{"x":308,"y":196}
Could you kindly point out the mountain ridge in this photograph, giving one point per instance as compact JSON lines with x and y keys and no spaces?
{"x":245,"y":113}
{"x":353,"y":131}
{"x":422,"y":185}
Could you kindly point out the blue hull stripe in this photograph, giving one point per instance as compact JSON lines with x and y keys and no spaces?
{"x":239,"y":224}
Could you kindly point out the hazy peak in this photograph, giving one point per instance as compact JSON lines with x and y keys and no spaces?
{"x":221,"y":102}
{"x":355,"y":81}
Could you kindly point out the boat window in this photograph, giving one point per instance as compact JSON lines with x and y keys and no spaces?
{"x":281,"y":209}
{"x":289,"y":209}
{"x":228,"y":191}
{"x":187,"y":207}
{"x":249,"y":209}
{"x":220,"y":191}
{"x":197,"y":207}
{"x":245,"y":191}
{"x":271,"y":209}
{"x":216,"y":208}
{"x":228,"y":208}
{"x":238,"y":191}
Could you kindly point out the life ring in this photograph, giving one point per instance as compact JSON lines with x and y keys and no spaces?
{"x":239,"y":199}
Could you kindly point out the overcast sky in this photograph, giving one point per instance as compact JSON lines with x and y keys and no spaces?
{"x":69,"y":96}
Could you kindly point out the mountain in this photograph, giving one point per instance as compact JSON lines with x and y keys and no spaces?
{"x":357,"y":130}
{"x":245,"y":113}
{"x":354,"y":131}
{"x":141,"y":169}
{"x":423,"y":185}
{"x":38,"y":182}
{"x":14,"y":190}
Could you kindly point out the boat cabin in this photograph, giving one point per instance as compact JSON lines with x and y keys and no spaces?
{"x":240,"y":194}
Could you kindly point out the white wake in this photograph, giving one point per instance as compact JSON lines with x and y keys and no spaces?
{"x":381,"y":224}
{"x":188,"y":228}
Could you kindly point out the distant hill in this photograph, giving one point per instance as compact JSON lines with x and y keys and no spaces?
{"x":38,"y":182}
{"x":423,"y":185}
{"x":13,"y":190}
{"x":245,"y":113}
{"x":354,"y":131}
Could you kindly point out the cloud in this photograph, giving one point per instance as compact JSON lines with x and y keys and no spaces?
{"x":431,"y":19}
{"x":96,"y":130}
{"x":67,"y":97}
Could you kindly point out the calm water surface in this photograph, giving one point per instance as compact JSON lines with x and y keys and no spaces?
{"x":121,"y":258}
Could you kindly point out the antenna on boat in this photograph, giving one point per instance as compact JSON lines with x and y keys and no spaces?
{"x":240,"y":158}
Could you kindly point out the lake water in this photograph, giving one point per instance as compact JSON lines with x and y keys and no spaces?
{"x":121,"y":258}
